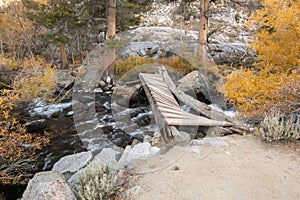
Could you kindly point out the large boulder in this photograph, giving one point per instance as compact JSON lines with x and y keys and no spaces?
{"x":195,"y":85}
{"x":142,"y":151}
{"x":230,"y":53}
{"x":122,"y":95}
{"x":108,"y":156}
{"x":72,"y":163}
{"x":48,"y":186}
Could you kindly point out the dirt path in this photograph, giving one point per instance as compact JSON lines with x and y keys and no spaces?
{"x":247,"y":169}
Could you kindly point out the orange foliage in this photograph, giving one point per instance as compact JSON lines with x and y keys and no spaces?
{"x":35,"y":77}
{"x":276,"y":80}
{"x":177,"y":63}
{"x":277,"y":35}
{"x":255,"y":93}
{"x":17,"y":32}
{"x":131,"y":62}
{"x":17,"y":147}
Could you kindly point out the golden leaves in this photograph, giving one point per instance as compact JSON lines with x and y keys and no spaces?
{"x":254,"y":93}
{"x":179,"y":64}
{"x":16,"y":30}
{"x":275,"y":81}
{"x":17,"y":147}
{"x":278,"y":34}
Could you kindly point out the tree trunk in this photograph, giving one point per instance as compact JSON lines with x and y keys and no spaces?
{"x":63,"y":53}
{"x":203,"y":30}
{"x":110,"y":54}
{"x":111,"y":6}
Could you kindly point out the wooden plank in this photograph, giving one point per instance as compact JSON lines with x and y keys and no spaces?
{"x":200,"y":107}
{"x":166,"y":109}
{"x":160,"y":104}
{"x":160,"y":122}
{"x":169,"y":110}
{"x":190,"y":101}
{"x":164,"y":99}
{"x":194,"y":122}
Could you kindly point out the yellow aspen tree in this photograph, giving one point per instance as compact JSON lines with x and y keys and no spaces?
{"x":275,"y":79}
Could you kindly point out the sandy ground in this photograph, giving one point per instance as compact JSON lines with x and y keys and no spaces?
{"x":247,"y":169}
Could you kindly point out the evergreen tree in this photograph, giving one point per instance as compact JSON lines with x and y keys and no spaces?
{"x":59,"y":17}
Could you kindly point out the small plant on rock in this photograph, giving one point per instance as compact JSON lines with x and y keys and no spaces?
{"x":276,"y":127}
{"x":98,"y":182}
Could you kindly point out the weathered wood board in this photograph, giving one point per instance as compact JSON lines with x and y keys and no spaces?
{"x":159,"y":89}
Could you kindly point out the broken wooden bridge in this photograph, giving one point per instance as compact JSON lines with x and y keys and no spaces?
{"x":161,"y":93}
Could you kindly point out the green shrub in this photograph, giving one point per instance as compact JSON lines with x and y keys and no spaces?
{"x":274,"y":127}
{"x":98,"y":182}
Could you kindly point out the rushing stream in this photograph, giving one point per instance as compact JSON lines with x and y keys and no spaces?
{"x":109,"y":129}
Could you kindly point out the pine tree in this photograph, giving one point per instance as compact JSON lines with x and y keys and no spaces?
{"x":59,"y":17}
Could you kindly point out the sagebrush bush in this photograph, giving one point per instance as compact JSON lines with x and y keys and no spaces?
{"x":276,"y":127}
{"x":98,"y":182}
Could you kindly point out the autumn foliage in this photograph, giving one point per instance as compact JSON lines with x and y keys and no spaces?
{"x":33,"y":78}
{"x":17,"y":33}
{"x":17,"y":147}
{"x":37,"y":79}
{"x":175,"y":62}
{"x":275,"y":79}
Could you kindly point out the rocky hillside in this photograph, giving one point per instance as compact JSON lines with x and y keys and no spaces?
{"x":169,"y":25}
{"x":227,"y":18}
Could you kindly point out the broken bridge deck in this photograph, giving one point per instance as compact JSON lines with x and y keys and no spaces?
{"x":167,"y":111}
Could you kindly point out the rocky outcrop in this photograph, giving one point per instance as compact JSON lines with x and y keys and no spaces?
{"x":72,"y":163}
{"x":166,"y":41}
{"x":48,"y":186}
{"x":108,"y":157}
{"x":195,"y":85}
{"x":142,"y":151}
{"x":227,"y":18}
